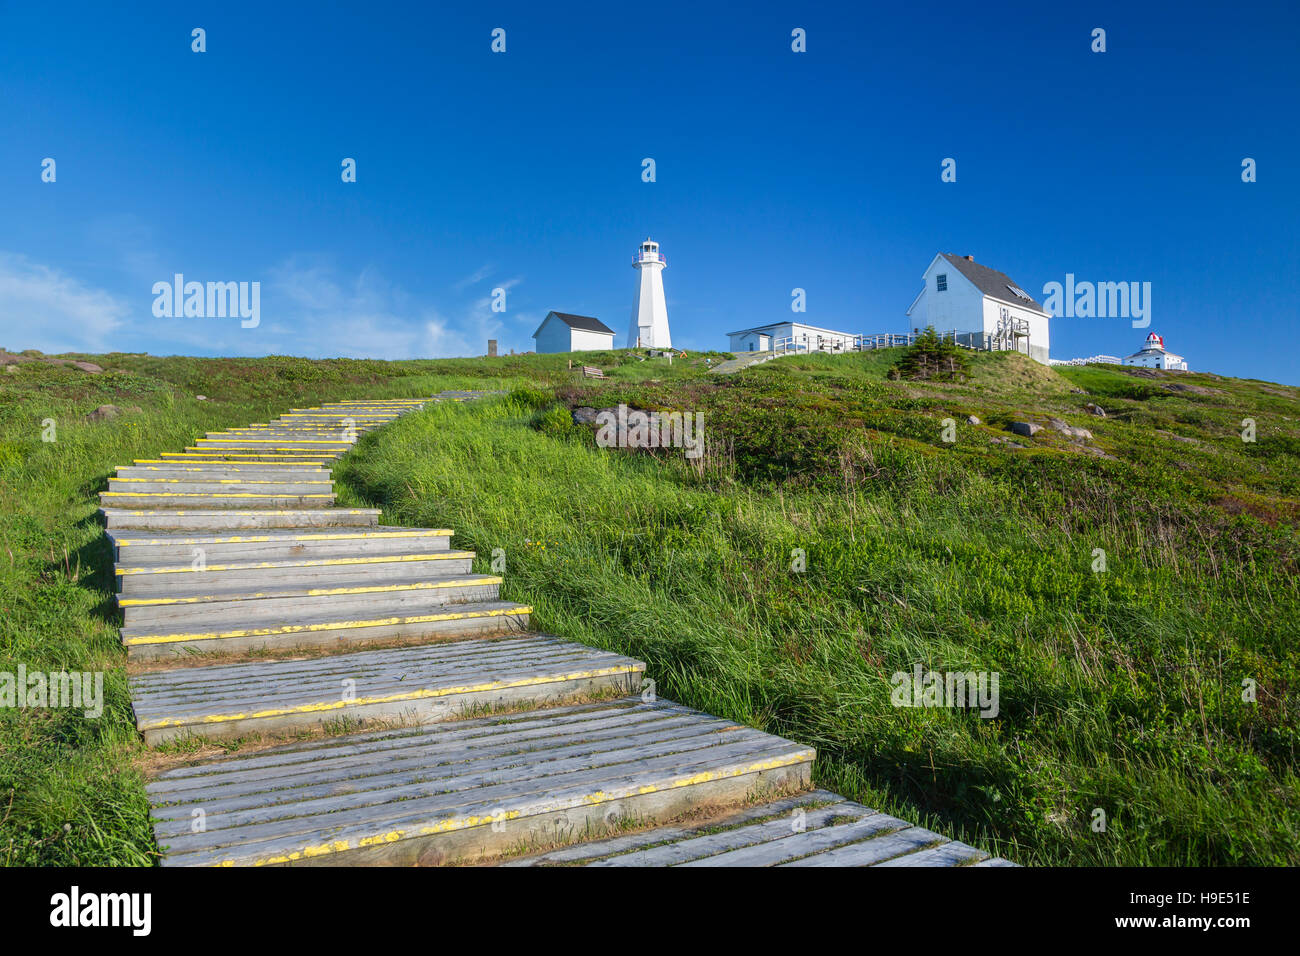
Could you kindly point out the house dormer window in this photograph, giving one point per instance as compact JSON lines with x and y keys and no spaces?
{"x":941,"y":282}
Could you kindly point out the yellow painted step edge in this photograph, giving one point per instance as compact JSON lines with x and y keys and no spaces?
{"x":324,"y":626}
{"x":174,"y":461}
{"x":199,"y":494}
{"x":259,"y":538}
{"x":228,"y":481}
{"x":313,"y":592}
{"x":318,"y":563}
{"x":424,"y":694}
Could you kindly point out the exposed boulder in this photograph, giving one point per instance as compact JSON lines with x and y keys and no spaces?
{"x":972,"y":420}
{"x":584,"y":415}
{"x":1070,"y":431}
{"x":1027,"y":429}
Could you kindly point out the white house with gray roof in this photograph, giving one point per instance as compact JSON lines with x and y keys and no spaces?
{"x":564,"y":332}
{"x":985,"y":307}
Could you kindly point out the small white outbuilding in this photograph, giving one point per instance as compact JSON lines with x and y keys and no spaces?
{"x":790,"y":336}
{"x":564,"y":332}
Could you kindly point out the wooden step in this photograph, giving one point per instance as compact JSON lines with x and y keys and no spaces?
{"x":243,"y":500}
{"x":232,"y":519}
{"x":292,"y":588}
{"x":438,"y":682}
{"x":222,"y":471}
{"x":317,"y":458}
{"x":137,"y":548}
{"x":168,"y":579}
{"x":323,"y":630}
{"x":236,"y":467}
{"x":364,"y":597}
{"x":274,"y":444}
{"x":216,"y":484}
{"x":466,"y":790}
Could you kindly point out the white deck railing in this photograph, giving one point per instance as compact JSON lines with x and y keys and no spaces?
{"x":865,"y":343}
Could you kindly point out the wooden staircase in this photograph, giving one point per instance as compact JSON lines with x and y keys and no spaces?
{"x":428,"y":723}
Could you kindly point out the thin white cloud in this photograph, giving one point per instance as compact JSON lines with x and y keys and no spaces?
{"x":369,"y":317}
{"x":45,"y":309}
{"x":308,"y":308}
{"x":474,"y":278}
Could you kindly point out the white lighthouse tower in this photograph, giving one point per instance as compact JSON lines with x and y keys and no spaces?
{"x":649,"y":310}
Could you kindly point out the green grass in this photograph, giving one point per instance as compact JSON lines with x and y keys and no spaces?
{"x":1119,"y":690}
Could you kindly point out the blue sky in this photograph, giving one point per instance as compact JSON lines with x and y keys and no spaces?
{"x":522,"y":170}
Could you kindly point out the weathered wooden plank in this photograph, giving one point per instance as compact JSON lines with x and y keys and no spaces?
{"x":949,"y":854}
{"x":872,"y":851}
{"x":170,"y":611}
{"x":601,"y":849}
{"x":198,"y":680}
{"x":421,"y":686}
{"x":370,"y":780}
{"x":457,"y":620}
{"x":444,"y":789}
{"x":814,"y":840}
{"x":246,"y":687}
{"x":158,"y":708}
{"x":703,"y":850}
{"x":348,"y":757}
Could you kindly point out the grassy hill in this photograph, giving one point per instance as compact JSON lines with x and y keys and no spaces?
{"x":1121,"y":690}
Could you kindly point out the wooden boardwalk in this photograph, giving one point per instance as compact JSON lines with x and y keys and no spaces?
{"x":811,"y":829}
{"x":428,"y":723}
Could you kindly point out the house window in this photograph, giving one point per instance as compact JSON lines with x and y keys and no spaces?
{"x":941,"y":282}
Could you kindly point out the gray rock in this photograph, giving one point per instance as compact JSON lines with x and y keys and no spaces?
{"x":972,"y":420}
{"x":1069,"y":430}
{"x":1028,"y":429}
{"x":585,"y":415}
{"x":1093,"y":409}
{"x":90,"y":367}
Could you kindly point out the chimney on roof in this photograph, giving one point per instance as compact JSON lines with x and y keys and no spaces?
{"x":969,"y":258}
